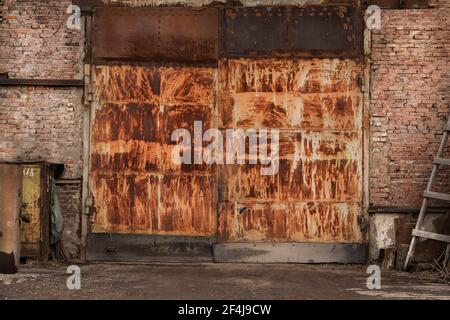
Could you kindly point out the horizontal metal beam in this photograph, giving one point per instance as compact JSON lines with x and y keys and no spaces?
{"x":219,"y":3}
{"x":431,"y":235}
{"x":41,"y":82}
{"x":178,"y":35}
{"x":162,"y":248}
{"x":291,"y":252}
{"x":287,"y":31}
{"x":148,"y":248}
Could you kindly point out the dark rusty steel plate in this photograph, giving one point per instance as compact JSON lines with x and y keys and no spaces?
{"x":320,"y":31}
{"x":155,"y":35}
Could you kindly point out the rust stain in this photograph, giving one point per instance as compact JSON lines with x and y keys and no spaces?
{"x":131,"y":121}
{"x":292,"y":31}
{"x":135,"y":186}
{"x":157,"y":204}
{"x":294,"y":222}
{"x":193,"y":211}
{"x":127,"y":84}
{"x":289,"y":222}
{"x":303,"y":94}
{"x":194,"y":85}
{"x":124,"y":202}
{"x":181,"y":34}
{"x":314,"y":180}
{"x":316,"y":195}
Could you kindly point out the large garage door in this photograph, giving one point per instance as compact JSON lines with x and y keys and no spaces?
{"x":316,"y":195}
{"x":157,"y":70}
{"x":148,"y":82}
{"x":309,"y":210}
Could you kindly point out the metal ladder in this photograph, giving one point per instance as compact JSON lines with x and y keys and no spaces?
{"x":418,"y":231}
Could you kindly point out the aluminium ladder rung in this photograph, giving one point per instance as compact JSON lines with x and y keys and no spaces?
{"x":442,"y":161}
{"x":430,"y":235}
{"x":436,"y":195}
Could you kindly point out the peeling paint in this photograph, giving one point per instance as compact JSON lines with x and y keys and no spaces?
{"x":135,"y":186}
{"x":316,"y":105}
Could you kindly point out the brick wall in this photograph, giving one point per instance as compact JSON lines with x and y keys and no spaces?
{"x":35,"y":42}
{"x":69,"y":196}
{"x":43,"y":123}
{"x":409,"y":103}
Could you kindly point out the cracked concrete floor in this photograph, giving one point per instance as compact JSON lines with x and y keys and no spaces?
{"x":217,"y":281}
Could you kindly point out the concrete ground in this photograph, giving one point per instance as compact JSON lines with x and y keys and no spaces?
{"x":217,"y":281}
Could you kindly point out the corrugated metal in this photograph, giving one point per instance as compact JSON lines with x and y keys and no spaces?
{"x":135,"y":185}
{"x":317,"y":106}
{"x":155,"y":34}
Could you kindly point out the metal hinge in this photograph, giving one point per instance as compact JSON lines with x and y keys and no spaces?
{"x":90,"y":93}
{"x":88,"y":204}
{"x":363,"y":223}
{"x":362,"y":83}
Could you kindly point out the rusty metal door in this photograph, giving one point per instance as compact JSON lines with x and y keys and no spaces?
{"x":296,"y":70}
{"x":135,"y":186}
{"x":316,"y":196}
{"x":144,"y":205}
{"x":304,"y":81}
